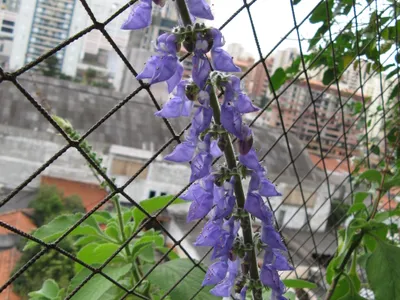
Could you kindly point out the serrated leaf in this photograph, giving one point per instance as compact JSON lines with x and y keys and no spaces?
{"x":95,"y":254}
{"x":171,"y":254}
{"x":383,"y":271}
{"x":151,"y":206}
{"x":299,"y":283}
{"x":168,"y":274}
{"x":98,"y":285}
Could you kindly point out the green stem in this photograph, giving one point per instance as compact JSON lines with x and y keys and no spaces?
{"x":240,"y":198}
{"x":183,"y":12}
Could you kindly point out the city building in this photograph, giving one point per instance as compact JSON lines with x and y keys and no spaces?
{"x":259,"y":80}
{"x":295,"y":104}
{"x":8,"y":16}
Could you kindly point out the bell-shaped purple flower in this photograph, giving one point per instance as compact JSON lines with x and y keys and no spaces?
{"x":270,"y":277}
{"x":223,"y":61}
{"x":184,"y":152}
{"x":276,"y":259}
{"x":223,"y":289}
{"x":225,"y":242}
{"x":259,"y":183}
{"x":246,"y":140}
{"x":272,"y":238}
{"x":250,"y":160}
{"x":231,"y":119}
{"x":224,"y":200}
{"x":139,"y":17}
{"x":175,"y":79}
{"x":178,"y":106}
{"x":201,"y":70}
{"x":255,"y":205}
{"x":216,"y":272}
{"x":243,"y":292}
{"x":200,"y":9}
{"x":201,"y":165}
{"x":210,"y":234}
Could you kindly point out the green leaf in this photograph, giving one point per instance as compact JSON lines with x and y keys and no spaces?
{"x":171,"y":255}
{"x":152,"y":205}
{"x":102,"y":216}
{"x":295,"y":2}
{"x":371,"y":176}
{"x":394,"y":92}
{"x":278,"y":79}
{"x":168,"y":274}
{"x":299,"y":284}
{"x":84,"y":240}
{"x":359,"y":197}
{"x":342,"y":288}
{"x":95,"y":254}
{"x":383,"y":216}
{"x":329,"y":76}
{"x":98,"y":285}
{"x":386,"y":47}
{"x":49,"y":290}
{"x":383,"y":271}
{"x":375,"y":149}
{"x":356,"y":207}
{"x":320,"y":13}
{"x":397,"y":58}
{"x":112,"y":232}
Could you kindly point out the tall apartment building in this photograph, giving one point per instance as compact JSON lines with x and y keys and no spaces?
{"x":260,"y":80}
{"x":8,"y":15}
{"x":41,"y":25}
{"x":296,"y":99}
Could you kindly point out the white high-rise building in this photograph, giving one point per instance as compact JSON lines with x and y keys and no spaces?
{"x":8,"y":15}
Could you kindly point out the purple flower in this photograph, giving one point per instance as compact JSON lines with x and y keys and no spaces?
{"x":255,"y":205}
{"x":201,"y":165}
{"x":243,"y":292}
{"x":270,"y":277}
{"x":272,"y":238}
{"x":201,"y":70}
{"x":261,"y":184}
{"x":139,"y":17}
{"x":276,"y":259}
{"x":184,"y":152}
{"x":165,"y":66}
{"x":178,"y":106}
{"x":231,"y":119}
{"x":246,"y":140}
{"x":216,"y":272}
{"x":250,"y":160}
{"x":222,"y":60}
{"x":226,"y":239}
{"x":224,"y":199}
{"x":223,"y":289}
{"x":200,"y":9}
{"x":210,"y":233}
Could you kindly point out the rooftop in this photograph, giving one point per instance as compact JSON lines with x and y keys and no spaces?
{"x":17,"y":219}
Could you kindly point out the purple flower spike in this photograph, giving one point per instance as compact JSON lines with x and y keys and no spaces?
{"x":245,"y":105}
{"x":255,"y":205}
{"x":182,"y":153}
{"x":224,"y":200}
{"x":200,"y":208}
{"x":201,"y":165}
{"x":140,"y":16}
{"x":218,"y":38}
{"x":268,"y":189}
{"x":272,"y":238}
{"x":174,"y":80}
{"x":223,"y":289}
{"x":216,"y":272}
{"x":225,"y":241}
{"x":223,"y":61}
{"x":178,"y":106}
{"x":231,"y":119}
{"x":200,"y":9}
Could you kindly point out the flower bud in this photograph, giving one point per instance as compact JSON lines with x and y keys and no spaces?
{"x":222,"y":143}
{"x":191,"y":91}
{"x":245,"y":145}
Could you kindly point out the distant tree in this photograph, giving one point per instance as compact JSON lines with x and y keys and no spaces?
{"x":51,"y":67}
{"x":50,"y":203}
{"x":52,"y":264}
{"x":90,"y":75}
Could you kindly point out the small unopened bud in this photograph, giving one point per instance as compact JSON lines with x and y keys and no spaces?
{"x":189,"y":28}
{"x":197,"y":26}
{"x":192,"y":91}
{"x":246,"y":144}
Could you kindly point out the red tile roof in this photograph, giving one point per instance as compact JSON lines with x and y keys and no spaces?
{"x":330,"y":163}
{"x":17,"y":219}
{"x":8,"y":259}
{"x":91,"y":194}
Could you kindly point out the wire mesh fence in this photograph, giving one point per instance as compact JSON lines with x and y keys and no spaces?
{"x":317,"y":188}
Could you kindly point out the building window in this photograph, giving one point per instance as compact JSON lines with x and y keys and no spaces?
{"x":6,"y":29}
{"x":152,"y":194}
{"x":163,"y":194}
{"x":281,"y":217}
{"x":124,"y":167}
{"x":295,"y":198}
{"x":8,"y":23}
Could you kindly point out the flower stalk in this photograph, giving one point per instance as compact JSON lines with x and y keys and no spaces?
{"x":240,"y":199}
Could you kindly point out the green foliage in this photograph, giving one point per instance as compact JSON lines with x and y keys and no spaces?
{"x":338,"y":213}
{"x":168,"y":274}
{"x":50,"y":202}
{"x":383,"y":271}
{"x":299,"y":283}
{"x":51,"y":265}
{"x":49,"y":291}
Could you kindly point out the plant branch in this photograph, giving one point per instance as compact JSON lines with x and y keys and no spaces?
{"x":358,"y":238}
{"x":183,"y":12}
{"x":240,"y":197}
